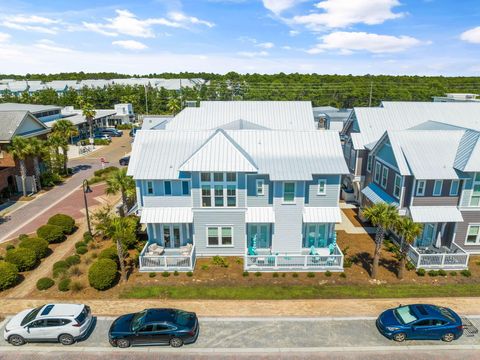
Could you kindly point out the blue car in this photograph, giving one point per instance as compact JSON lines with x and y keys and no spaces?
{"x":420,"y":322}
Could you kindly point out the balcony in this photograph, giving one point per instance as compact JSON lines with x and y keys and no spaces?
{"x":453,"y":258}
{"x":174,"y":259}
{"x":266,"y":261}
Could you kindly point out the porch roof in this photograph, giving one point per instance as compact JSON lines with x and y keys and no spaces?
{"x":329,"y":214}
{"x":434,"y":214}
{"x":166,"y":215}
{"x":260,"y":215}
{"x":376,"y":195}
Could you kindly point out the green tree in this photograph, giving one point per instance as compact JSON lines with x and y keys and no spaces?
{"x":119,"y":181}
{"x":56,"y":141}
{"x":173,"y":105}
{"x":89,"y":112}
{"x":65,"y":130}
{"x":384,"y":217}
{"x":408,"y":230}
{"x":36,"y":148}
{"x":19,"y":149}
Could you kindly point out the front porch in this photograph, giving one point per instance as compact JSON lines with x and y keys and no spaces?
{"x":446,"y":258}
{"x":167,"y":259}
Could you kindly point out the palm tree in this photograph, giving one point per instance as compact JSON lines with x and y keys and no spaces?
{"x":65,"y":129}
{"x":89,"y":112}
{"x":36,"y":149}
{"x":384,"y":217}
{"x":56,"y":141}
{"x":19,"y":150}
{"x":408,"y":230}
{"x":121,"y":229}
{"x":119,"y":181}
{"x":173,"y":105}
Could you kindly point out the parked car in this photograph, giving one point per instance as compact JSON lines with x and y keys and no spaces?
{"x":63,"y":323}
{"x":420,"y":322}
{"x":102,"y":137}
{"x":154,"y":327}
{"x":124,"y":160}
{"x":111,"y":131}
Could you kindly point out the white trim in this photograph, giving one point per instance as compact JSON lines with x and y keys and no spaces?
{"x":384,"y":172}
{"x":324,"y":192}
{"x":473,"y":189}
{"x":369,"y":162}
{"x":477,"y":242}
{"x":294,"y":192}
{"x":451,"y":186}
{"x":400,"y":185}
{"x":257,"y":182}
{"x":435,"y":185}
{"x":148,"y":187}
{"x":417,"y":192}
{"x":377,"y":176}
{"x":386,"y":163}
{"x":219,"y":236}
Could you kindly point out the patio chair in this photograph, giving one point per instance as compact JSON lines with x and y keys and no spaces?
{"x":155,"y":250}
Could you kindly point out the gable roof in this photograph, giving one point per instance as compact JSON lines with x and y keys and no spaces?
{"x":12,"y":121}
{"x":33,"y":108}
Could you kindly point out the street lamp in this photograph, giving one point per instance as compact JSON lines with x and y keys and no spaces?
{"x":87,"y":190}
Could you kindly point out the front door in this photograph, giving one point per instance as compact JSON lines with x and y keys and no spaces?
{"x":424,"y":329}
{"x":172,"y":234}
{"x":428,"y":235}
{"x":316,"y":235}
{"x":261,"y":234}
{"x":36,"y":330}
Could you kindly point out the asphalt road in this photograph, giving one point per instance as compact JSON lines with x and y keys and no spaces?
{"x":278,"y":338}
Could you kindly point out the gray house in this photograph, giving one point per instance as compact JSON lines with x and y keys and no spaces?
{"x":268,"y":195}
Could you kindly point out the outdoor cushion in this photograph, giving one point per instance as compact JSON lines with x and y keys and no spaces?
{"x":155,"y":249}
{"x":251,"y":251}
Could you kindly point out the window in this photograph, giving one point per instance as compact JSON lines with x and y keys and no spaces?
{"x":378,"y":168}
{"x":37,"y":324}
{"x":52,"y":322}
{"x":454,"y":186}
{"x":369,"y":163}
{"x":168,"y":187}
{"x":259,"y":186}
{"x":475,"y":199}
{"x":397,"y":186}
{"x":206,"y":196}
{"x":219,"y":236}
{"x":222,"y":187}
{"x":316,"y":235}
{"x":289,"y":192}
{"x":322,"y":187}
{"x":353,"y":158}
{"x":420,"y":187}
{"x":437,"y":188}
{"x":384,"y":177}
{"x":146,"y":328}
{"x":231,"y":177}
{"x":231,"y":195}
{"x":150,"y":187}
{"x":185,"y":188}
{"x":261,"y":234}
{"x":473,"y":235}
{"x":205,"y":177}
{"x":218,"y":177}
{"x":218,"y":195}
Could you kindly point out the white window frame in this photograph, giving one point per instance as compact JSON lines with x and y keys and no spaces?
{"x":434,"y":187}
{"x":378,"y":172}
{"x":150,"y":187}
{"x":475,"y":182}
{"x":384,"y":177}
{"x":399,"y":186}
{"x":260,"y":184}
{"x":320,"y":183}
{"x":212,"y":183}
{"x":294,"y":192}
{"x":477,"y":241}
{"x":451,"y":193}
{"x":219,"y":236}
{"x":369,"y":162}
{"x":417,"y":190}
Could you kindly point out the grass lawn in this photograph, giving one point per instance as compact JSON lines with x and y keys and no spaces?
{"x":299,"y":292}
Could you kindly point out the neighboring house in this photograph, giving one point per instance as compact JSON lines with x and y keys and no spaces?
{"x":268,"y":195}
{"x":17,"y":123}
{"x":331,"y":118}
{"x":44,"y":113}
{"x":123,"y":115}
{"x":456,"y":97}
{"x":61,"y":86}
{"x":155,"y":122}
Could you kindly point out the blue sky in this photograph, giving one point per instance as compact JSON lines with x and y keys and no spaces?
{"x":424,"y":37}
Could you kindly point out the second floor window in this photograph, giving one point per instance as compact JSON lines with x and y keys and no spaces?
{"x":397,"y":186}
{"x":289,"y":192}
{"x":322,"y":187}
{"x":369,"y":162}
{"x":454,"y":186}
{"x":437,"y":188}
{"x":260,"y":187}
{"x":378,"y":168}
{"x":150,"y":187}
{"x":185,"y":188}
{"x":384,"y":177}
{"x":168,"y":187}
{"x":420,"y":188}
{"x":475,"y":199}
{"x":219,"y":189}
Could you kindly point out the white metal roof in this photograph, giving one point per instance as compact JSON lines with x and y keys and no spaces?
{"x":260,"y":215}
{"x":166,"y":215}
{"x":321,"y":214}
{"x":433,"y":214}
{"x":33,"y":108}
{"x":284,"y":115}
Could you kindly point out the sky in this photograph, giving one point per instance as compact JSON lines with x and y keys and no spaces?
{"x":411,"y":37}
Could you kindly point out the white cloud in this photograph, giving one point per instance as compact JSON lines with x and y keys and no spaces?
{"x":278,"y":6}
{"x":266,"y":45}
{"x":343,"y":13}
{"x":293,"y":32}
{"x":348,"y":42}
{"x":286,"y":47}
{"x":30,"y":23}
{"x":252,"y":54}
{"x":130,"y":44}
{"x":4,"y":37}
{"x":32,"y":19}
{"x":471,"y":36}
{"x":50,"y":45}
{"x":127,"y":23}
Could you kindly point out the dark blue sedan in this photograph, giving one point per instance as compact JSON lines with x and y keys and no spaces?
{"x":420,"y":322}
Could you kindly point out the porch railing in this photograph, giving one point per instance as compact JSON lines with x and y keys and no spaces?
{"x":457,"y":259}
{"x":170,"y":260}
{"x":294,"y":262}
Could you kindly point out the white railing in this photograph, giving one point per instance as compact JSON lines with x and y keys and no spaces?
{"x":170,"y":260}
{"x":457,"y":259}
{"x":294,"y":262}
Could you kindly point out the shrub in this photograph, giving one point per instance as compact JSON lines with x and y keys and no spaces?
{"x":239,"y":261}
{"x":433,"y":273}
{"x":25,"y":259}
{"x":245,"y":274}
{"x":9,"y":247}
{"x":64,"y":284}
{"x":152,"y":274}
{"x":311,"y":275}
{"x":409,"y":266}
{"x":295,"y":275}
{"x":95,"y":179}
{"x":347,"y":262}
{"x":76,"y":286}
{"x":106,"y":171}
{"x":258,"y":274}
{"x":466,"y":273}
{"x":94,"y":255}
{"x":442,"y":273}
{"x":421,"y":272}
{"x":165,"y":274}
{"x":275,"y":275}
{"x":51,"y":233}
{"x":22,"y":237}
{"x":39,"y":246}
{"x":343,"y":275}
{"x":109,"y":253}
{"x":205,"y":267}
{"x":62,"y":264}
{"x":82,"y":250}
{"x":189,"y":274}
{"x":453,"y":273}
{"x":328,"y":273}
{"x":220,"y":261}
{"x":283,"y":275}
{"x":176,"y":273}
{"x":48,"y":179}
{"x":67,"y":223}
{"x":75,"y":271}
{"x":72,"y":260}
{"x":87,"y":237}
{"x":102,"y":274}
{"x":8,"y":275}
{"x":80,"y":244}
{"x":45,"y":283}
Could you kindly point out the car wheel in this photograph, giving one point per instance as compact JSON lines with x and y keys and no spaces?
{"x":16,"y":340}
{"x":176,"y":342}
{"x":66,"y":339}
{"x":399,"y":337}
{"x":123,"y":343}
{"x":448,"y":337}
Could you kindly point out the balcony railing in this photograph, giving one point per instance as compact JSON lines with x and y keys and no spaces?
{"x":170,"y":260}
{"x":294,"y":262}
{"x":454,"y":258}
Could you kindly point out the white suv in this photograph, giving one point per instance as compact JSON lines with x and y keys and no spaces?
{"x":64,"y":323}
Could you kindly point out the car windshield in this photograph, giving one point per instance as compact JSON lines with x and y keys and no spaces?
{"x":405,"y":314}
{"x":138,"y":319}
{"x":182,"y":318}
{"x":31,"y":315}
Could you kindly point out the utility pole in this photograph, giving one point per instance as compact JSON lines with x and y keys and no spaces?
{"x":146,"y":99}
{"x":371,"y":90}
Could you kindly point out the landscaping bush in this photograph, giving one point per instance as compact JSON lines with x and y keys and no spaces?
{"x":9,"y":247}
{"x":152,"y":274}
{"x":80,"y":244}
{"x":82,"y":250}
{"x":67,"y":223}
{"x":433,"y":273}
{"x":295,"y":275}
{"x":258,"y":274}
{"x":124,"y":126}
{"x":245,"y":274}
{"x":220,"y":261}
{"x":106,"y":171}
{"x":22,"y":237}
{"x":75,"y":271}
{"x":328,"y":273}
{"x":95,"y":179}
{"x":239,"y":261}
{"x":109,"y":253}
{"x":343,"y":275}
{"x":442,"y":273}
{"x":165,"y":274}
{"x":466,"y":273}
{"x":76,"y":286}
{"x":64,"y":284}
{"x":189,"y":274}
{"x":100,"y":142}
{"x":51,"y":233}
{"x":176,"y":273}
{"x":49,"y":179}
{"x":62,"y":264}
{"x":421,"y":272}
{"x":87,"y":237}
{"x":8,"y":275}
{"x":102,"y":274}
{"x":204,"y":267}
{"x":38,"y":245}
{"x":275,"y":275}
{"x":347,"y":262}
{"x":72,"y":260}
{"x":45,"y":283}
{"x":453,"y":273}
{"x":311,"y":275}
{"x":409,"y":266}
{"x":25,"y":259}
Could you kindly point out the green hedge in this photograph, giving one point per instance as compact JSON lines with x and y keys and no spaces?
{"x":72,"y":260}
{"x":51,"y":233}
{"x":87,"y":237}
{"x":45,"y":283}
{"x":109,"y":253}
{"x":64,"y":284}
{"x":82,"y":250}
{"x":67,"y":223}
{"x":106,"y":171}
{"x":8,"y":275}
{"x":25,"y":259}
{"x":102,"y":274}
{"x":38,"y":245}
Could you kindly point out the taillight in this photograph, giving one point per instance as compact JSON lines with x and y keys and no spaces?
{"x":76,"y":325}
{"x":460,"y":327}
{"x":191,"y":332}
